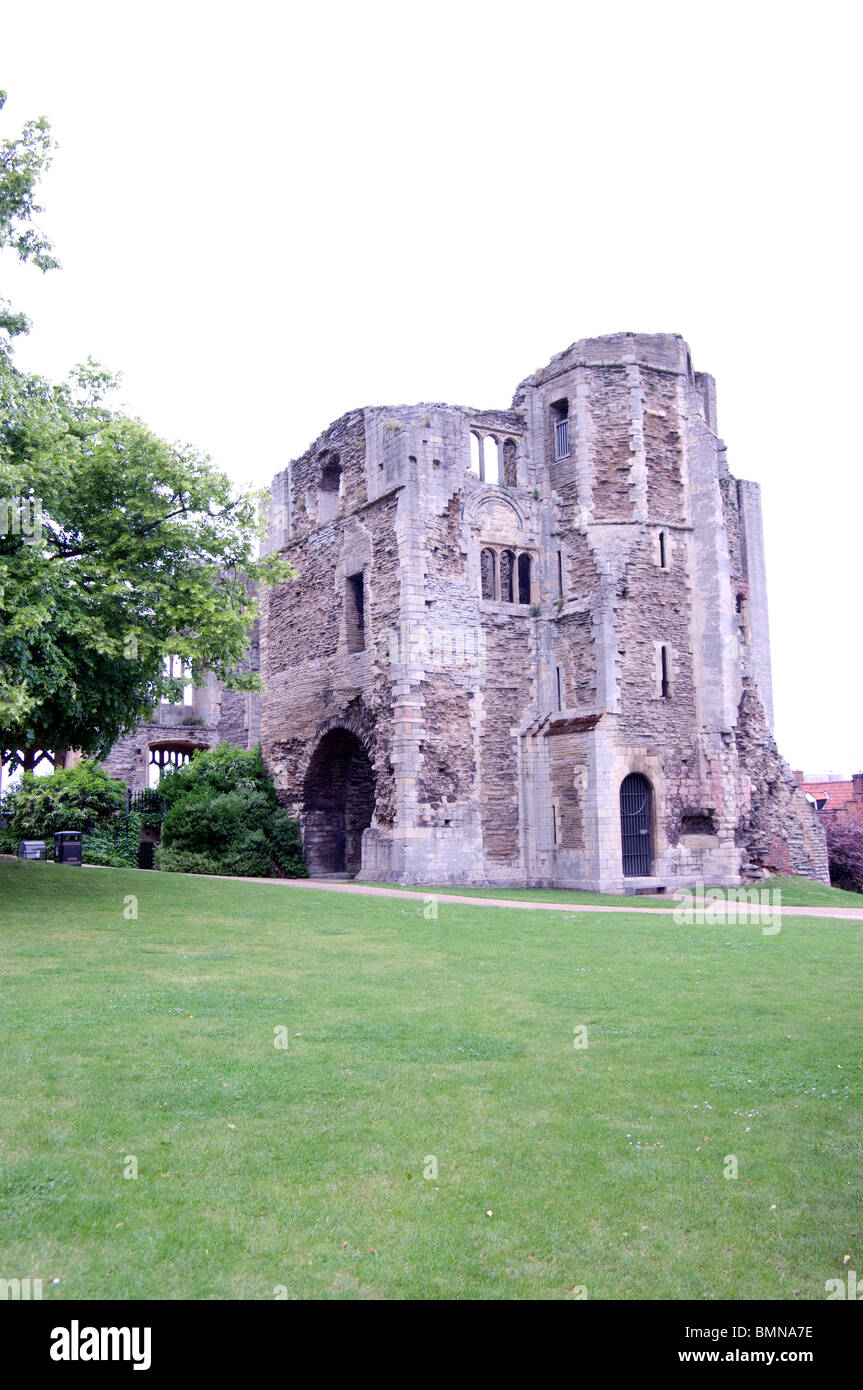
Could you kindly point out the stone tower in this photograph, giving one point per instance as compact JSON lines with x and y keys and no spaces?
{"x":530,"y":646}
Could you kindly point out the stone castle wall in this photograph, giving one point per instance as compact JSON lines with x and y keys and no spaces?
{"x":503,"y":652}
{"x":467,"y":667}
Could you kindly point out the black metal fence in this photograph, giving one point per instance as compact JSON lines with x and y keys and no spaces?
{"x":147,"y":802}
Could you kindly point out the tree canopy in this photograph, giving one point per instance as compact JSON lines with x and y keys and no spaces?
{"x":117,"y":548}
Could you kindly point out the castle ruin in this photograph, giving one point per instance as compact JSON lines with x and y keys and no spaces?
{"x":530,"y":646}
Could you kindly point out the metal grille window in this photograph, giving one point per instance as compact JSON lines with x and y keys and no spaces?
{"x":635,"y":797}
{"x":561,"y":439}
{"x":560,"y":428}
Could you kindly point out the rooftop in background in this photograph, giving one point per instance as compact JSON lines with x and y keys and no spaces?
{"x":834,"y":794}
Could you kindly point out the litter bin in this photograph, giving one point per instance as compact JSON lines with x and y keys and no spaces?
{"x":31,"y":849}
{"x":67,"y":847}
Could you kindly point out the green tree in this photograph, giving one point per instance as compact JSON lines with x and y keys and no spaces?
{"x":23,"y":161}
{"x":116,"y":548}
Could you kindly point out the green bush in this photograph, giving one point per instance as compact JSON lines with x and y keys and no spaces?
{"x":8,"y":840}
{"x":113,"y":844}
{"x":286,"y":845}
{"x":224,"y":768}
{"x":183,"y":862}
{"x":224,"y":818}
{"x":81,"y":798}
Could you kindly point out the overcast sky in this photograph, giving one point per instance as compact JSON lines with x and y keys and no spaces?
{"x":269,"y":213}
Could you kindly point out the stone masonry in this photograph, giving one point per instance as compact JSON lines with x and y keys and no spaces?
{"x":175,"y":732}
{"x":501,"y":615}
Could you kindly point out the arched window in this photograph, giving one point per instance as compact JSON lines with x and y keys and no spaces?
{"x":510,"y":473}
{"x":39,"y":761}
{"x":507,"y":567}
{"x":635,"y":818}
{"x":524,"y":578}
{"x":487,"y":577}
{"x":167,"y":755}
{"x":476,"y":467}
{"x":490,"y":458}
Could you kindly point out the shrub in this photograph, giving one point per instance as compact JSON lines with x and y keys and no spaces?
{"x":223,"y":817}
{"x":76,"y":798}
{"x":183,"y":862}
{"x":220,"y":769}
{"x":114,"y":844}
{"x":845,"y":853}
{"x":8,"y":839}
{"x":286,"y":845}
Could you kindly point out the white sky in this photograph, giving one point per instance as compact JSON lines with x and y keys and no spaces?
{"x":270,"y":213}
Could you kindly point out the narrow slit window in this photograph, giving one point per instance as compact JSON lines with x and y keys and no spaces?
{"x":554,"y":824}
{"x":355,"y":613}
{"x":559,"y":688}
{"x":507,"y":566}
{"x":664,"y":680}
{"x":510,"y":470}
{"x":663,"y":554}
{"x":524,"y":579}
{"x":486,"y":569}
{"x":560,"y":574}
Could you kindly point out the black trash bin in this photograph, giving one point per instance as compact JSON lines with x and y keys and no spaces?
{"x":67,"y":847}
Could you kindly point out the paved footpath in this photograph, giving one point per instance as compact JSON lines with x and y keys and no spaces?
{"x":854,"y":914}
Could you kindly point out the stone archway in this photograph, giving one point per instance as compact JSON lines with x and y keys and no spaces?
{"x":338,"y":804}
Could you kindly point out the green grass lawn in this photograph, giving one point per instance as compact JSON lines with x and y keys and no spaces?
{"x":796,"y":892}
{"x":409,"y":1038}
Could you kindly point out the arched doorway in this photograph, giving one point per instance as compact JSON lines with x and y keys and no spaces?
{"x":635,"y":817}
{"x":338,"y":804}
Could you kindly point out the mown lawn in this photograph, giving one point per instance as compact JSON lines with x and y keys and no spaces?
{"x":795,"y":892}
{"x":408,"y":1039}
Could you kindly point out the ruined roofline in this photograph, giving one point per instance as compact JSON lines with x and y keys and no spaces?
{"x":505,"y":417}
{"x":667,"y":352}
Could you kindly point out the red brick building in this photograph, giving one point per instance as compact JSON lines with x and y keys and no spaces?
{"x":836,"y":800}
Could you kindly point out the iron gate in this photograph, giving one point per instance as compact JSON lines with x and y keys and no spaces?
{"x":635,"y":825}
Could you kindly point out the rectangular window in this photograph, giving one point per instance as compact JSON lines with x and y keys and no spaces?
{"x":176,"y":668}
{"x":554,"y":824}
{"x":559,"y":688}
{"x":560,"y":574}
{"x":560,"y":422}
{"x":561,"y":439}
{"x":355,"y":613}
{"x":665,"y":684}
{"x":663,"y":554}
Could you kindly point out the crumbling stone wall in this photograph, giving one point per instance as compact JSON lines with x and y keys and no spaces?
{"x":778,"y":827}
{"x":500,"y":719}
{"x":216,"y":715}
